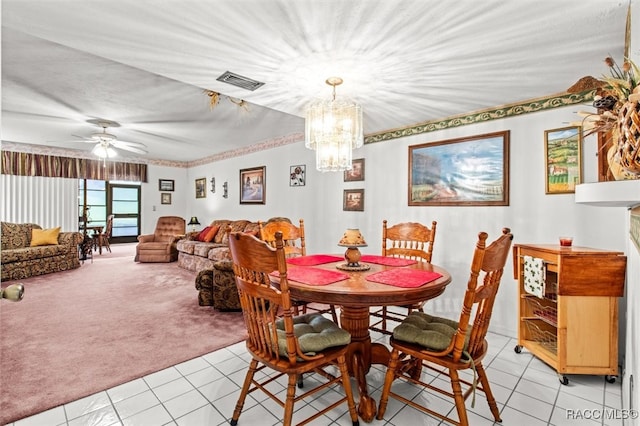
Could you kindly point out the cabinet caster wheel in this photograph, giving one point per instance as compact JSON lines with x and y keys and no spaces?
{"x":610,"y":379}
{"x":564,"y":380}
{"x":517,"y":349}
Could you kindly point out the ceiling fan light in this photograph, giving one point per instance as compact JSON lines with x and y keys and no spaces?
{"x":104,"y":151}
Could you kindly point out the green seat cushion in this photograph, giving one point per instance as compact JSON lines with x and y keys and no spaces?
{"x":433,"y":333}
{"x":315,"y":333}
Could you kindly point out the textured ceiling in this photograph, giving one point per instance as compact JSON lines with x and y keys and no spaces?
{"x":146,"y":64}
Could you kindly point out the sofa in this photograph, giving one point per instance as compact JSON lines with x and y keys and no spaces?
{"x":197,"y":255}
{"x":217,"y":287}
{"x":215,"y":281}
{"x":20,"y":260}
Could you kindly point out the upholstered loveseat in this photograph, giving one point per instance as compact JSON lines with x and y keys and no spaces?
{"x":20,"y":260}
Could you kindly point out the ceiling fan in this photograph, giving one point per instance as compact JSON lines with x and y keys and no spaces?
{"x":106,"y":142}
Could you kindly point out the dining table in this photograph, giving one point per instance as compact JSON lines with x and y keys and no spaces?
{"x":97,"y":230}
{"x":375,"y":281}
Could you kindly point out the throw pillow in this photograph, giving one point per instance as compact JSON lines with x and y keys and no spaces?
{"x":44,"y":237}
{"x":254,"y":232}
{"x":203,"y":233}
{"x":212,"y":233}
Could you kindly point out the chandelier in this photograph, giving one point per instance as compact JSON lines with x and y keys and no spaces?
{"x":333,"y":128}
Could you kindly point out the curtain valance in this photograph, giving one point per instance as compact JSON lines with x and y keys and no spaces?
{"x":29,"y":164}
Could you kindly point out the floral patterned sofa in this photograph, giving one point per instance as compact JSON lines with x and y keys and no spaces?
{"x":19,"y":260}
{"x":217,"y":287}
{"x":215,"y":281}
{"x":197,"y":255}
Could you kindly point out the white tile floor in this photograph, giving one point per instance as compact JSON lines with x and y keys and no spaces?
{"x":204,"y":391}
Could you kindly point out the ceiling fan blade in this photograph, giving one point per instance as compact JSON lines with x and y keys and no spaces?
{"x":131,"y":148}
{"x":80,"y":140}
{"x":119,"y":144}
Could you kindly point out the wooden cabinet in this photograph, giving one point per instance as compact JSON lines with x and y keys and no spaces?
{"x":574,"y":327}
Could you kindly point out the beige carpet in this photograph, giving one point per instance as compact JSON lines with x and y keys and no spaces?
{"x":112,"y":320}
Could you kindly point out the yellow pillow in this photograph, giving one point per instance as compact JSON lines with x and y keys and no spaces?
{"x":44,"y":237}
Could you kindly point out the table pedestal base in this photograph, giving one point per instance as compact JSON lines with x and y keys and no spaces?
{"x":361,"y":354}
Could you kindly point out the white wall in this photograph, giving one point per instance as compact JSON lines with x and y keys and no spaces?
{"x":631,"y":396}
{"x":152,"y":209}
{"x":532,"y":216}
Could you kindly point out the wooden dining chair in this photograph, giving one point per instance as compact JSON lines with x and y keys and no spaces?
{"x":294,"y":245}
{"x":101,"y":239}
{"x":279,"y":341}
{"x":409,"y":240}
{"x":448,"y":346}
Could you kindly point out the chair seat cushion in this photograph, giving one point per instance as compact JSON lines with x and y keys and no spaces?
{"x":315,"y":333}
{"x":434,"y":333}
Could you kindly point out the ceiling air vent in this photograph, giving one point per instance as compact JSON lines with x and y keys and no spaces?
{"x":240,"y":81}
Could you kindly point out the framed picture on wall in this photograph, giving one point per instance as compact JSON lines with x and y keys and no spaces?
{"x":166,"y":184}
{"x":469,"y":171}
{"x":353,"y":200}
{"x":165,"y":198}
{"x":357,"y":171}
{"x":201,"y":188}
{"x":297,"y":175}
{"x":253,"y":185}
{"x":563,"y":159}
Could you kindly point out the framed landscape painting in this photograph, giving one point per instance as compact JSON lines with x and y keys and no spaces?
{"x":469,"y":171}
{"x":252,"y":185}
{"x":563,"y":159}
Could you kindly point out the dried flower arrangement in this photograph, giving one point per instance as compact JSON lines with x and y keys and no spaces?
{"x":612,"y":92}
{"x":617,"y":101}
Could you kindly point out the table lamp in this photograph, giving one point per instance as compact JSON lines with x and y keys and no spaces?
{"x":193,"y":222}
{"x":352,"y":239}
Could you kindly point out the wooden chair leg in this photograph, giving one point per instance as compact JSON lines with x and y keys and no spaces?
{"x":459,"y":399}
{"x":484,"y":381}
{"x":105,"y":244}
{"x":291,"y":394}
{"x":243,"y":393}
{"x":388,"y":380}
{"x":346,"y":384}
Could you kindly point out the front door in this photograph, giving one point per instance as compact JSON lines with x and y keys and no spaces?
{"x":124,"y":204}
